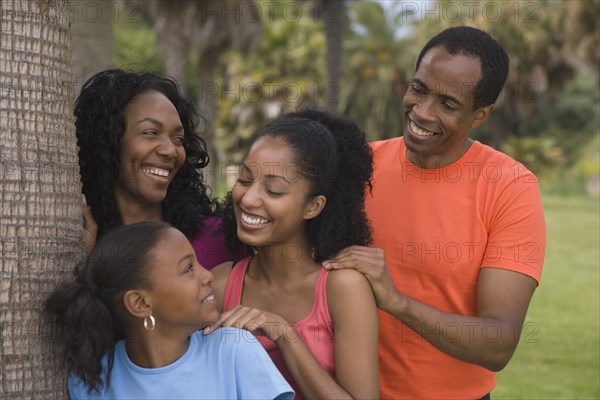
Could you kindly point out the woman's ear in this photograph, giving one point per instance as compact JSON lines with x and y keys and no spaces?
{"x":314,"y":206}
{"x":136,"y":303}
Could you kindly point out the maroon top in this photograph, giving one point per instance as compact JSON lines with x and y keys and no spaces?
{"x":209,"y":244}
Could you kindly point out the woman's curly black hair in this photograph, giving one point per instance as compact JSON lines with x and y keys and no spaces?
{"x":332,"y":153}
{"x":100,"y":124}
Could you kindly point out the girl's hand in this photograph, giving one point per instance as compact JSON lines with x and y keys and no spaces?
{"x":258,"y":322}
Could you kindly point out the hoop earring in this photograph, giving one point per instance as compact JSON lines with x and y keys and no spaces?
{"x":149,"y":323}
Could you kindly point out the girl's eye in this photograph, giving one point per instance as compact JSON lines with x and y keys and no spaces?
{"x":151,"y":132}
{"x":189,"y":268}
{"x":244,"y":182}
{"x":178,"y":140}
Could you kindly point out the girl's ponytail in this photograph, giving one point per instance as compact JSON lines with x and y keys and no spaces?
{"x":85,"y":326}
{"x":89,"y":311}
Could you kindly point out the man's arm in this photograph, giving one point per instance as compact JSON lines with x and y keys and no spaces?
{"x":488,"y":339}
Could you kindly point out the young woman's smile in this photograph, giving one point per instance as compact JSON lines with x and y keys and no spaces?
{"x":270,"y":197}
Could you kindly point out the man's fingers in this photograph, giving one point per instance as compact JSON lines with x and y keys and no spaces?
{"x":361,"y":262}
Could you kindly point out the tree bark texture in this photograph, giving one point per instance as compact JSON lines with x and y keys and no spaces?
{"x":40,"y":205}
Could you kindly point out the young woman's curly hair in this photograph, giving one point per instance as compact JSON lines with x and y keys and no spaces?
{"x":100,"y":124}
{"x":332,"y":153}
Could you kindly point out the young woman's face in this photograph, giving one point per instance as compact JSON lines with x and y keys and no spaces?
{"x":151,"y":149}
{"x":181,"y":297}
{"x":270,"y":197}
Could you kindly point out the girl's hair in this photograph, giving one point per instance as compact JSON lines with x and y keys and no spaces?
{"x":100,"y":124}
{"x":333,"y":155}
{"x":89,"y":310}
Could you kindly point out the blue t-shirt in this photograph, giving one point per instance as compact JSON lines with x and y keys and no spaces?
{"x":228,"y":364}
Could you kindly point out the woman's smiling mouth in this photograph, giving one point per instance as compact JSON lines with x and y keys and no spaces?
{"x":253,"y":220}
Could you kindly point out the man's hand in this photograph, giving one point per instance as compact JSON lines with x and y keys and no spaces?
{"x":371,"y":263}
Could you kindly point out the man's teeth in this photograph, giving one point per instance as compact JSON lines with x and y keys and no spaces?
{"x":419,"y":131}
{"x":253,"y":220}
{"x":209,"y":298}
{"x":157,"y":171}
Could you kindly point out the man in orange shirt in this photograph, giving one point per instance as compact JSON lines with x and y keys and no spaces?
{"x":458,"y":230}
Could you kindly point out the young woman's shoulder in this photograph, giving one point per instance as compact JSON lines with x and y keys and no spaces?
{"x":346,"y":279}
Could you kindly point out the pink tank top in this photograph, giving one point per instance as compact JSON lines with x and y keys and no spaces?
{"x":316,"y":329}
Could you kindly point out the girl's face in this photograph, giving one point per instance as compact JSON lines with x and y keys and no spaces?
{"x":181,"y":297}
{"x":270,"y":197}
{"x":151,"y":149}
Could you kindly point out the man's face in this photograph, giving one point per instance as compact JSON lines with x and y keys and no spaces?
{"x":438,"y":108}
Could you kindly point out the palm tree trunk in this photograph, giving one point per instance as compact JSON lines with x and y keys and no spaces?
{"x":207,"y":107}
{"x":40,"y":212}
{"x":334,"y":18}
{"x":168,"y":25}
{"x":93,"y":39}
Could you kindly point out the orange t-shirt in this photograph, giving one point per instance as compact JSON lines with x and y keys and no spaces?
{"x":438,"y":228}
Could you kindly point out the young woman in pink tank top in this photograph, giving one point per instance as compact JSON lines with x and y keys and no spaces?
{"x":299,"y":200}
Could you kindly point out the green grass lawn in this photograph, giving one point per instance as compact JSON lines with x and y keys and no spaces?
{"x":559,"y":353}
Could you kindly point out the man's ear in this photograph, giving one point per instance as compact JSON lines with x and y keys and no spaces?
{"x":314,"y":207}
{"x":136,"y":303}
{"x":481,"y":115}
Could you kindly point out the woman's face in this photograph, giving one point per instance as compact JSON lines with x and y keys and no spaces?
{"x":151,"y":150}
{"x":181,"y":297}
{"x":270,"y":198}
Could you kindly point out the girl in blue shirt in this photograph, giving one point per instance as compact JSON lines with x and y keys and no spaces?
{"x":130,"y":319}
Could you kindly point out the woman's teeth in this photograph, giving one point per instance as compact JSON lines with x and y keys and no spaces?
{"x":157,"y":171}
{"x":253,"y":220}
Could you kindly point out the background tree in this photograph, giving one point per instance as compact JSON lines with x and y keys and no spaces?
{"x":93,"y":47}
{"x":40,"y":203}
{"x":582,"y":28}
{"x":284,"y":73}
{"x":333,"y":14}
{"x":378,"y":64}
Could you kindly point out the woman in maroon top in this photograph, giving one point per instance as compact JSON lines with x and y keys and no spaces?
{"x":141,"y":160}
